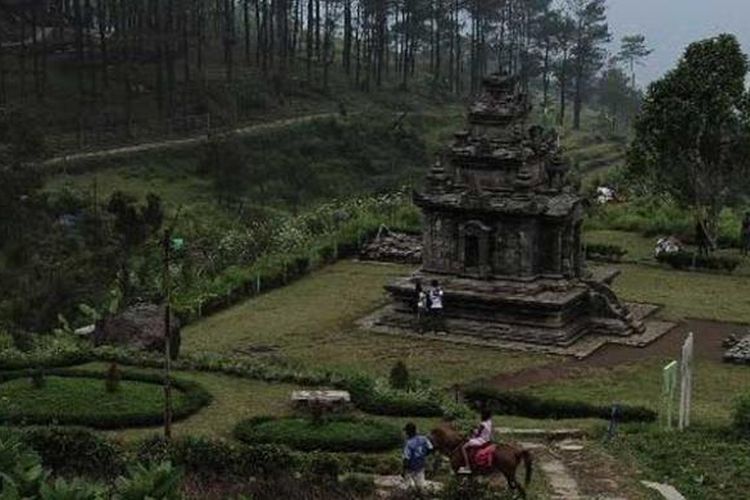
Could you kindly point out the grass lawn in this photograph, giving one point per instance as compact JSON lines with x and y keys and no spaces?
{"x":702,"y":463}
{"x":687,"y":294}
{"x":312,"y":322}
{"x":715,"y":387}
{"x":66,"y":397}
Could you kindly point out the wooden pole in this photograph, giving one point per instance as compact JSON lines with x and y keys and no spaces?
{"x":167,"y":243}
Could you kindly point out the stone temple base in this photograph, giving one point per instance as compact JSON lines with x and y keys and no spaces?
{"x":543,"y":311}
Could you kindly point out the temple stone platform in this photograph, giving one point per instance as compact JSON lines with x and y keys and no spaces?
{"x":385,"y":321}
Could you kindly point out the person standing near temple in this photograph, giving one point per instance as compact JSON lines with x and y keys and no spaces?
{"x":436,"y":305}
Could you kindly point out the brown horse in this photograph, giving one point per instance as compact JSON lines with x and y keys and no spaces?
{"x":506,"y":458}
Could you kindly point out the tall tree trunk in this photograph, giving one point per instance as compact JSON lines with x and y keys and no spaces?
{"x":317,"y":30}
{"x":438,"y":39}
{"x":347,"y":49}
{"x":578,"y":98}
{"x":309,"y":44}
{"x":78,"y":15}
{"x":545,"y":76}
{"x":563,"y":87}
{"x":246,"y":23}
{"x":102,"y":15}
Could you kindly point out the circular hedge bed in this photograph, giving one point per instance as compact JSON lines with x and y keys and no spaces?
{"x":80,"y":397}
{"x":338,"y":434}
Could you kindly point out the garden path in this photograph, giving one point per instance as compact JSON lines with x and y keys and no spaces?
{"x":172,"y":144}
{"x":576,"y":469}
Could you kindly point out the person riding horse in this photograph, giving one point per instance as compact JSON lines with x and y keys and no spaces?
{"x":481,"y":437}
{"x":504,"y":458}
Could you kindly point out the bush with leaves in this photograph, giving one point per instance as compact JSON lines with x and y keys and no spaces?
{"x":149,"y":482}
{"x":399,"y":377}
{"x":21,"y":472}
{"x":75,"y":451}
{"x":112,"y":382}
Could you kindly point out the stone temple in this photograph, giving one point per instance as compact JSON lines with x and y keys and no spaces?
{"x":502,"y":235}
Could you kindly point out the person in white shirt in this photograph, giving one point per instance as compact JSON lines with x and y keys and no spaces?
{"x":481,"y":436}
{"x":436,"y":305}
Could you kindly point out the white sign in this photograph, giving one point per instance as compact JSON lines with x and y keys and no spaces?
{"x":686,"y":386}
{"x":669,"y":391}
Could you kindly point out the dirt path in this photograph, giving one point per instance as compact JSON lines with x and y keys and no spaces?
{"x":708,"y":338}
{"x":65,"y":160}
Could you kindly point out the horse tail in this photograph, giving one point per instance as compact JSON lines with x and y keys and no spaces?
{"x":528,"y":461}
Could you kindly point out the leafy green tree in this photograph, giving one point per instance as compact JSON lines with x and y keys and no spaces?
{"x":591,"y":35}
{"x":633,"y":51}
{"x":693,"y":136}
{"x":618,"y":101}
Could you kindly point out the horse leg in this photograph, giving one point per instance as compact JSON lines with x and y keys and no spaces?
{"x":513,"y":483}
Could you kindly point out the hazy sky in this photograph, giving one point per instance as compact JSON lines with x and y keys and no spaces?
{"x":670,"y":25}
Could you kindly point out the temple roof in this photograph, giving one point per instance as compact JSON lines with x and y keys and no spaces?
{"x":551,"y":204}
{"x":500,"y":103}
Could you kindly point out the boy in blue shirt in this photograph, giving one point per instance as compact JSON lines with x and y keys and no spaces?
{"x":416,"y":450}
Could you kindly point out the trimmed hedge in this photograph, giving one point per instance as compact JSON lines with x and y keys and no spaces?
{"x":337,"y":434}
{"x":74,"y":451}
{"x":607,"y":253}
{"x":370,"y":397}
{"x":195,"y":397}
{"x":523,"y":405}
{"x":685,"y":260}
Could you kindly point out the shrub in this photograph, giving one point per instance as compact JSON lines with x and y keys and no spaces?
{"x":323,"y":466}
{"x":608,"y":253}
{"x":37,"y":379}
{"x":46,"y":350}
{"x":513,"y":403}
{"x":339,"y":434}
{"x":74,"y":451}
{"x":377,"y":398}
{"x":399,"y":377}
{"x":22,"y":473}
{"x":76,"y":489}
{"x":216,"y":457}
{"x":741,"y":414}
{"x":158,"y":481}
{"x":112,"y":382}
{"x":194,"y":398}
{"x":686,"y":260}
